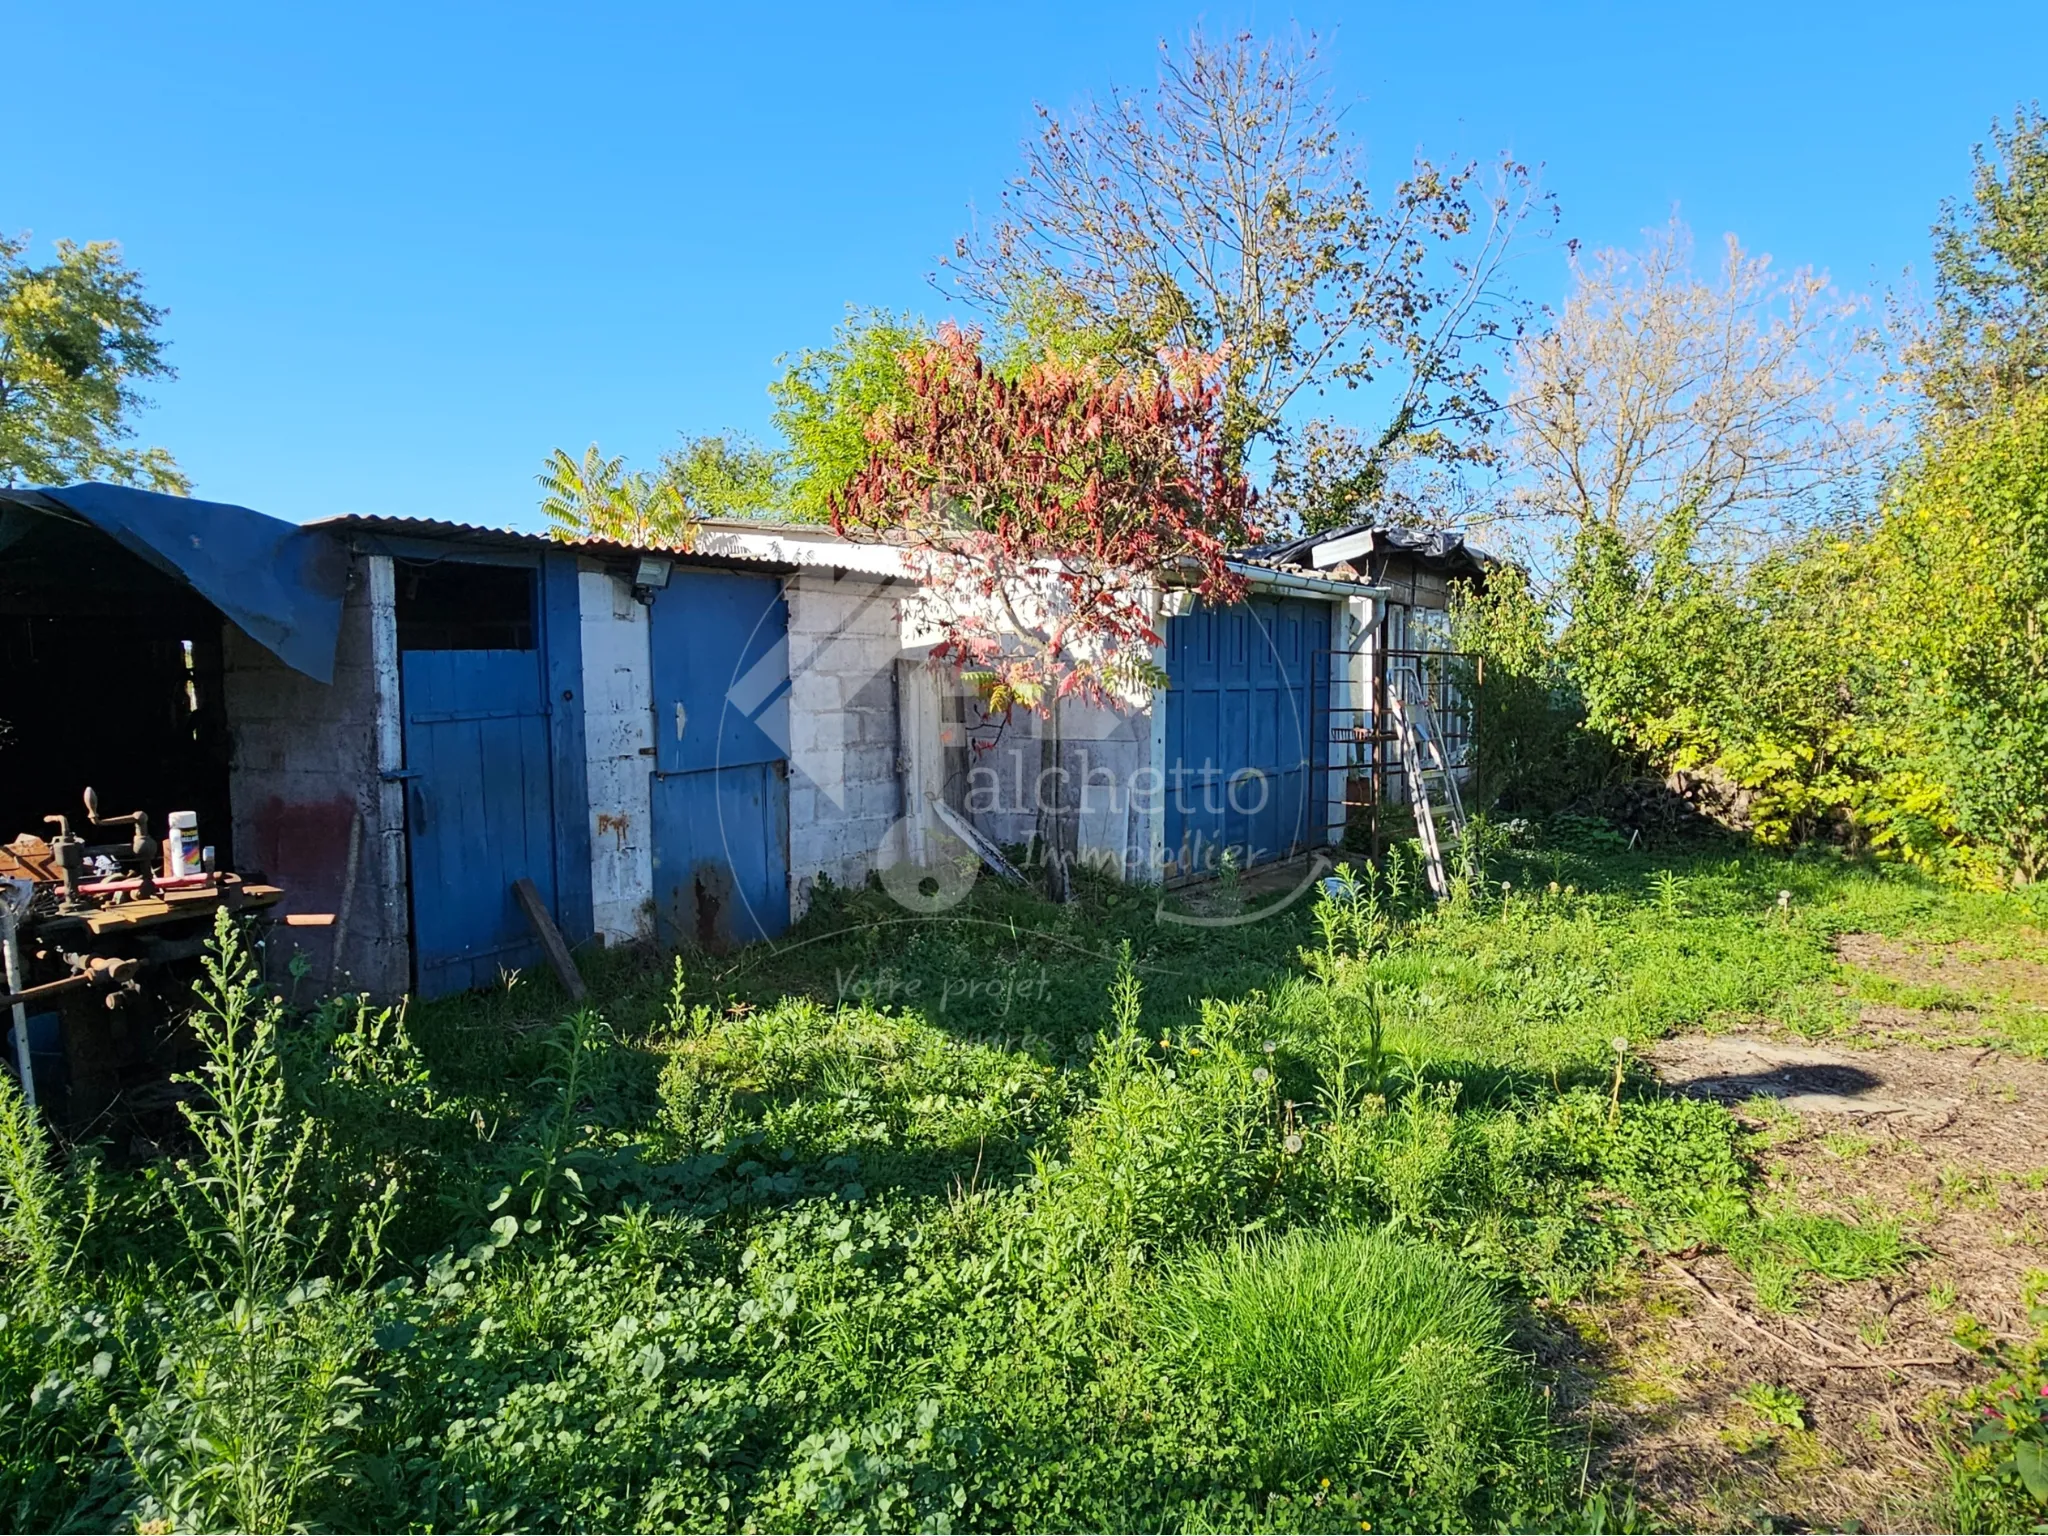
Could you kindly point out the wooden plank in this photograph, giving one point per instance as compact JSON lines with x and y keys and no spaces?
{"x":394,"y":913}
{"x":175,"y":906}
{"x":550,"y":938}
{"x":562,"y":643}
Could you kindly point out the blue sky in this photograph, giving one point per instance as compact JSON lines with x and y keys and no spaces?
{"x":409,"y":249}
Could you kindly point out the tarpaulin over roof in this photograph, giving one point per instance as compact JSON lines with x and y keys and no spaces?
{"x":280,"y":584}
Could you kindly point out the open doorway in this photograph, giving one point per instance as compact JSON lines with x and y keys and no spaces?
{"x":110,"y":676}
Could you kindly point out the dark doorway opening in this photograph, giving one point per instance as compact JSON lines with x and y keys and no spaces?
{"x":462,"y":605}
{"x":110,"y":676}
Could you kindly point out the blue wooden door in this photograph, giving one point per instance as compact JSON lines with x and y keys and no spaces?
{"x":479,"y":813}
{"x":721,"y":771}
{"x":1246,"y":717}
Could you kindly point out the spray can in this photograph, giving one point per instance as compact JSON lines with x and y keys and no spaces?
{"x":182,"y":843}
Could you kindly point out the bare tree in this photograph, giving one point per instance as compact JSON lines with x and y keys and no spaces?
{"x":1656,"y":391}
{"x":1227,"y":212}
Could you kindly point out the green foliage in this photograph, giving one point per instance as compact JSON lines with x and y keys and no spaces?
{"x":1880,"y":679}
{"x":1774,"y":1413}
{"x":1533,"y":751}
{"x":1650,"y":643}
{"x":2000,"y":1475}
{"x":77,"y":339}
{"x":236,"y":1198}
{"x":245,"y":1416}
{"x":709,"y":476}
{"x":1961,"y":567}
{"x":721,"y":475}
{"x":1883,"y":684}
{"x":1989,"y":342}
{"x":827,"y":396}
{"x":596,"y":498}
{"x":1787,"y":1252}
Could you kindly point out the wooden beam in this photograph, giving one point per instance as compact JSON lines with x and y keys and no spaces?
{"x":559,"y":958}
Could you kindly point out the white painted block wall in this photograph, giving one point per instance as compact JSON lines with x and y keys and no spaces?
{"x":618,"y":726}
{"x":845,"y":790}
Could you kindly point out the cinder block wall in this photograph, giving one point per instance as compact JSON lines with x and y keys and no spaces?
{"x":302,"y":780}
{"x":1106,"y":752}
{"x":845,"y":790}
{"x":618,"y":734}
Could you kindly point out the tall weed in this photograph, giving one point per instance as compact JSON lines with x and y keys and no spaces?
{"x":45,"y":1215}
{"x":247,"y":1410}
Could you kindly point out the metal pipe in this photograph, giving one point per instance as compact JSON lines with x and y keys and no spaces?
{"x":25,"y":1066}
{"x":23,"y":996}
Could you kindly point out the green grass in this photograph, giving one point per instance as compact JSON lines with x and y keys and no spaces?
{"x":1355,"y":1350}
{"x":1013,"y":1217}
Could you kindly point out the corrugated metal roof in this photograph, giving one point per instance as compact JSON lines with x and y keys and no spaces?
{"x":479,"y":533}
{"x":791,"y":545}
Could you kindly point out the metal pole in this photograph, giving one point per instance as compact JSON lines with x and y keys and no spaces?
{"x":23,"y":1063}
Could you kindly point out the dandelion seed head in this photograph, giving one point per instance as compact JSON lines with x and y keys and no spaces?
{"x":1261,"y":1075}
{"x":1292,"y":1143}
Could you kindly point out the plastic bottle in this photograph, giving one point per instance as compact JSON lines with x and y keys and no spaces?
{"x":183,"y":843}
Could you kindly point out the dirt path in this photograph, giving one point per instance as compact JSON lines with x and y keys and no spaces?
{"x":1952,"y":1143}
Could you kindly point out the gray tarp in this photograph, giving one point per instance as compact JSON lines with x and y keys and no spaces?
{"x":280,"y":584}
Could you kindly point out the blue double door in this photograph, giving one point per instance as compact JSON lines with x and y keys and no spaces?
{"x":720,"y":643}
{"x":1247,"y":711}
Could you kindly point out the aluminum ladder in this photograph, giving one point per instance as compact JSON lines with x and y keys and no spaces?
{"x":1428,"y":770}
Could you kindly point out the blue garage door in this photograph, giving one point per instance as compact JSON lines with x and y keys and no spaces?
{"x":721,"y":781}
{"x":1246,"y":728}
{"x":480,"y":811}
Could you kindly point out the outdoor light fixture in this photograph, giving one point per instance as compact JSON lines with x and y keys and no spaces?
{"x":649,"y":577}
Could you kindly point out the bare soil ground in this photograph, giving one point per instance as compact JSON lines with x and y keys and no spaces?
{"x":1950,"y":1140}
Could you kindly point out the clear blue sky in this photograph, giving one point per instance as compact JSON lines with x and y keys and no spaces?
{"x":408,"y":249}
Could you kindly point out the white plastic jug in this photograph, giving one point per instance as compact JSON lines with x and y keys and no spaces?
{"x":183,"y":843}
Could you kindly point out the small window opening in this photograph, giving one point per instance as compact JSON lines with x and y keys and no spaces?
{"x":456,"y":605}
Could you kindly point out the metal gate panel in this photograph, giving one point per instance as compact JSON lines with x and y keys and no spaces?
{"x":721,"y":772}
{"x":480,"y":812}
{"x":1245,"y":721}
{"x":721,"y":851}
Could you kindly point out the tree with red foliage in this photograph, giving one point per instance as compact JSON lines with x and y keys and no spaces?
{"x":1044,"y":512}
